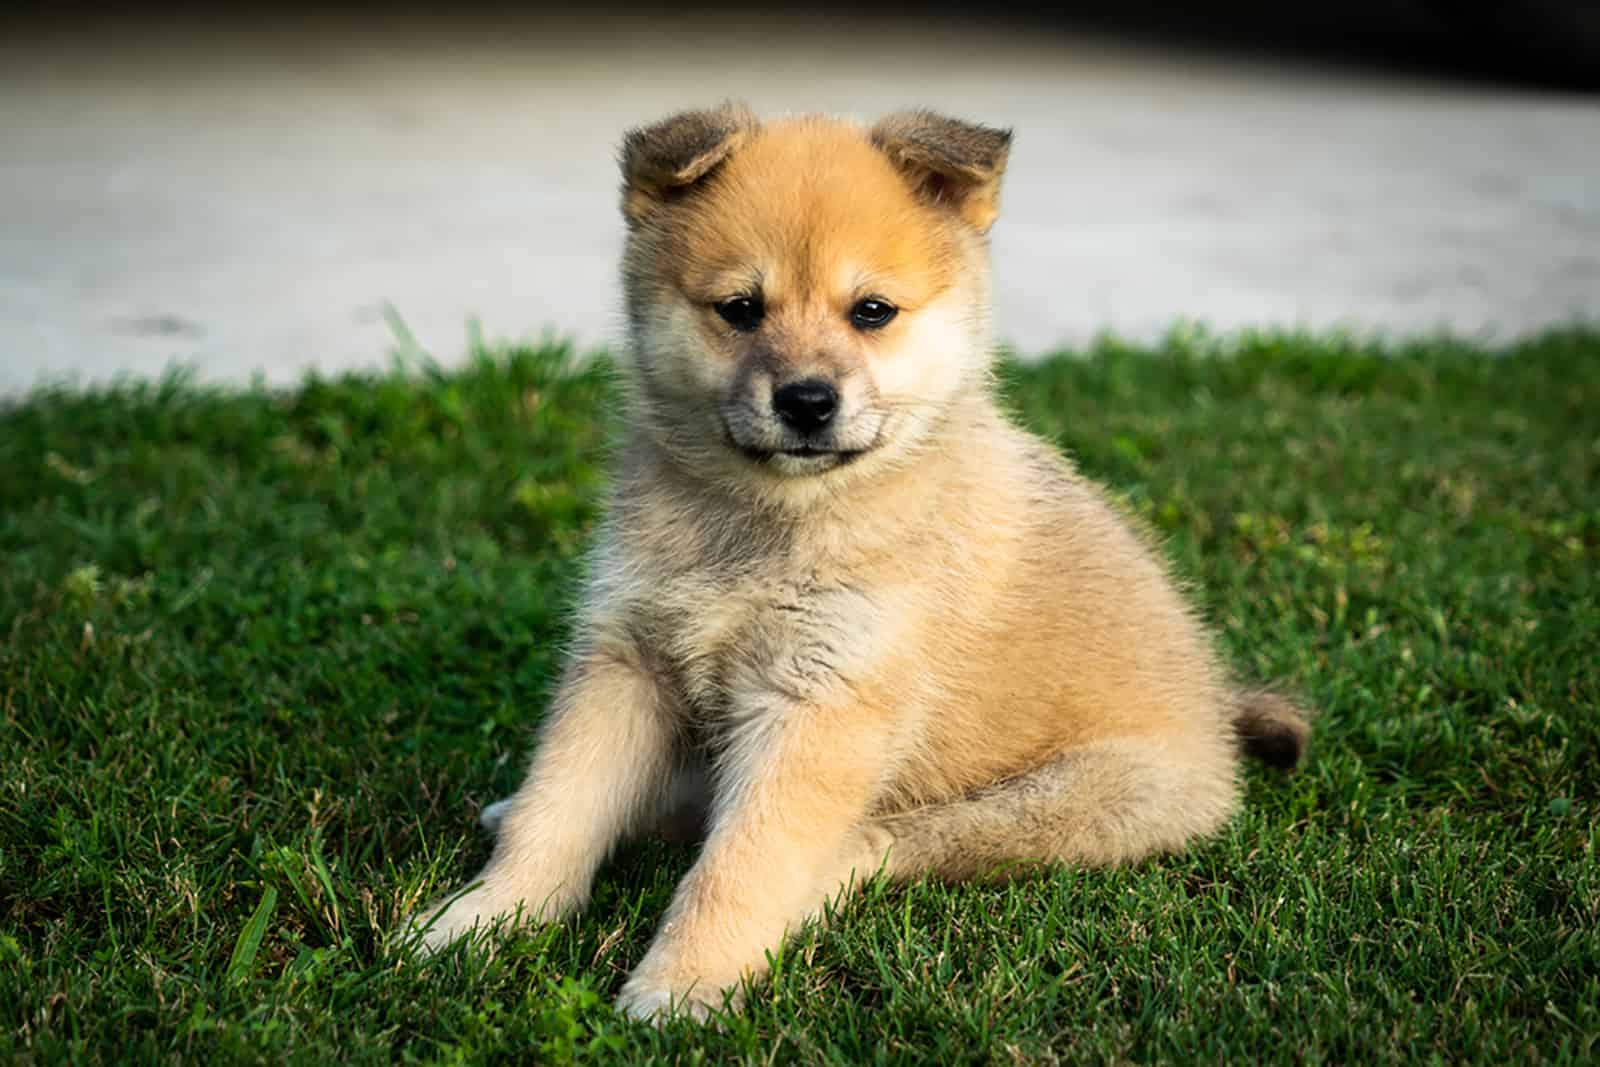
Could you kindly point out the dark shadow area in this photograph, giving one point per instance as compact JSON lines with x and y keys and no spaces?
{"x":1551,"y":44}
{"x":1543,"y":43}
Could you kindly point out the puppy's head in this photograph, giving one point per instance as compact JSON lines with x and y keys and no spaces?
{"x":806,"y":299}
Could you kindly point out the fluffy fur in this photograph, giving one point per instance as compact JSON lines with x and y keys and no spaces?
{"x":917,"y":642}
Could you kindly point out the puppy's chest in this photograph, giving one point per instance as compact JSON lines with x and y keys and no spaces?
{"x":804,"y":634}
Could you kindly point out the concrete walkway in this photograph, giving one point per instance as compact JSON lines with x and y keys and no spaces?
{"x":251,"y":201}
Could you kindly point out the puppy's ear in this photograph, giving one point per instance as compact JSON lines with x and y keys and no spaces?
{"x":660,"y":161}
{"x":953,"y":163}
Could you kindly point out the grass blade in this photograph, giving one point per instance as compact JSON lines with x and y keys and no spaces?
{"x":249,"y":943}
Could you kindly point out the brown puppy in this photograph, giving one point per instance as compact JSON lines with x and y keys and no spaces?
{"x":878,"y":627}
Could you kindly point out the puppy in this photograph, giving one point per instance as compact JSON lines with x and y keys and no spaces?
{"x":840,"y":603}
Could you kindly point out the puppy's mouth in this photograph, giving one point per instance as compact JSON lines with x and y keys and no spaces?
{"x":800,"y":455}
{"x":830,"y":457}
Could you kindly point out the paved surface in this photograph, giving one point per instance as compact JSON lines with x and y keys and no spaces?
{"x":251,"y":201}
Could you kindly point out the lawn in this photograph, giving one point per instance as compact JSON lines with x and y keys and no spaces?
{"x":263,"y":656}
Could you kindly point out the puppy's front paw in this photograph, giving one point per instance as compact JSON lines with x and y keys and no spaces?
{"x":655,"y":1001}
{"x":484,"y":909}
{"x":442,"y":925}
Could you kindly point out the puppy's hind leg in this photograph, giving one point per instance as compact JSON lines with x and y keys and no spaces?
{"x":687,"y":804}
{"x":1099,"y":804}
{"x":493,"y":814}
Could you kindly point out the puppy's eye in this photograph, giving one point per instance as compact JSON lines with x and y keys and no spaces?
{"x":743,"y":313}
{"x":872,"y":313}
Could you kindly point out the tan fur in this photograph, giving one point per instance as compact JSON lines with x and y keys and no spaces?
{"x":949,"y":655}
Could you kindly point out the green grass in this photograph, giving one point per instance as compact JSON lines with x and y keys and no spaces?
{"x":263,"y":655}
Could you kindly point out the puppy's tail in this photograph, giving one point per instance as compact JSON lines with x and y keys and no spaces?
{"x":1271,"y":727}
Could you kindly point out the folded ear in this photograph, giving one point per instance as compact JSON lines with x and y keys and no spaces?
{"x":660,"y":161}
{"x":950,"y":162}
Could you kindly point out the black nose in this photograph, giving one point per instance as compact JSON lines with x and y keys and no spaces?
{"x":807,"y":405}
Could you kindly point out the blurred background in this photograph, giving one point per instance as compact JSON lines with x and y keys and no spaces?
{"x":265,"y":190}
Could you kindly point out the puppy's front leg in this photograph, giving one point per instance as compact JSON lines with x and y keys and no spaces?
{"x":601,"y":765}
{"x":793,"y":788}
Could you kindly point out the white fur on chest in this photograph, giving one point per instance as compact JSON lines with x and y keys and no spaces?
{"x":799,"y":631}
